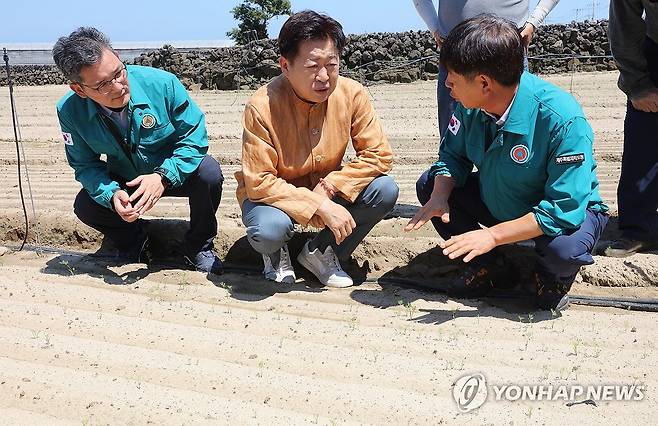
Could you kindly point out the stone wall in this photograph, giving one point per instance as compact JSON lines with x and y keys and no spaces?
{"x":369,"y":58}
{"x":32,"y":75}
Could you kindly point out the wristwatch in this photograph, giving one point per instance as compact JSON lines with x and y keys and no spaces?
{"x":163,"y":175}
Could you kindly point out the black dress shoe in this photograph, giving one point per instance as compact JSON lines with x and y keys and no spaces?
{"x":480,"y":276}
{"x":625,"y":247}
{"x":138,"y":253}
{"x":551,"y":294}
{"x":473,"y":281}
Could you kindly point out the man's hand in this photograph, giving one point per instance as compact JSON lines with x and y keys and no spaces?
{"x":337,"y":219}
{"x":435,"y":207}
{"x":326,"y":189}
{"x":526,"y":34}
{"x":646,"y":101}
{"x":316,"y":222}
{"x":149,"y":191}
{"x":123,"y":206}
{"x":470,"y":244}
{"x":438,"y":39}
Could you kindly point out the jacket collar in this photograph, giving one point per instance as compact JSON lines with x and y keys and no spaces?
{"x":523,"y":106}
{"x":138,"y":96}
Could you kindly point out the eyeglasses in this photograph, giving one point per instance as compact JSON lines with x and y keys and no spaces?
{"x":106,"y":86}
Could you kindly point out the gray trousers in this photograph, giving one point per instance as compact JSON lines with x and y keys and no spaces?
{"x":269,"y":228}
{"x":446,"y":102}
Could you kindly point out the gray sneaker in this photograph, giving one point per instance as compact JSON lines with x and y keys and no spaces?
{"x":283,"y":272}
{"x":325,"y":266}
{"x":206,"y":261}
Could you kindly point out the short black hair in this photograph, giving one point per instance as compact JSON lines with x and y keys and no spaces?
{"x":309,"y":25}
{"x":81,"y":48}
{"x":485,"y":44}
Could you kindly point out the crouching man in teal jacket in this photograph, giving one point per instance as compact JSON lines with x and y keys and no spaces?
{"x":535,"y":178}
{"x":155,"y":142}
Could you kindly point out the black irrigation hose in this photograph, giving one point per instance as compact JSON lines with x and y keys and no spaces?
{"x":10,"y":84}
{"x":640,"y":304}
{"x":648,"y":305}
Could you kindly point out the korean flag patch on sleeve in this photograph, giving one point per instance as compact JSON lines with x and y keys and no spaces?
{"x":68,"y":139}
{"x":454,"y":125}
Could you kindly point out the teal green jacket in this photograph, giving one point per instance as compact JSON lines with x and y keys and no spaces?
{"x":541,"y":160}
{"x":166,"y":129}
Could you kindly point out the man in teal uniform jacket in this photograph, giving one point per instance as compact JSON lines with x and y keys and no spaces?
{"x":536,"y":175}
{"x":155,"y":143}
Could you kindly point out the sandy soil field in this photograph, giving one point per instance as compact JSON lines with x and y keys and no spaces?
{"x":83,"y":341}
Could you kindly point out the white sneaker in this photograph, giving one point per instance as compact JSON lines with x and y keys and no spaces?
{"x":284,"y":272}
{"x":325,"y":266}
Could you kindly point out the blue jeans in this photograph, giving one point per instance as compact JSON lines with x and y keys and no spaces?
{"x":559,"y":258}
{"x":269,"y":228}
{"x":637,"y":192}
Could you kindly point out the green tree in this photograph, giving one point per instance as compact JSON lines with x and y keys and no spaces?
{"x":253,"y":16}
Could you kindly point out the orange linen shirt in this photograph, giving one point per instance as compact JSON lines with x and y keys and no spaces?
{"x":288,"y":145}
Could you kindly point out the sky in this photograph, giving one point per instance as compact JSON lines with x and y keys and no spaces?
{"x":43,"y":21}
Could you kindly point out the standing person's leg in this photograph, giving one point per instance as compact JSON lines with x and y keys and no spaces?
{"x":322,"y":256}
{"x":128,"y":237}
{"x":204,"y":191}
{"x":560,"y":259}
{"x":446,"y":103}
{"x":268,"y":231}
{"x":638,"y":185}
{"x":637,"y":192}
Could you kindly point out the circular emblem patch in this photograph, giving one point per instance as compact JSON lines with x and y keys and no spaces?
{"x":148,"y":121}
{"x":519,"y":154}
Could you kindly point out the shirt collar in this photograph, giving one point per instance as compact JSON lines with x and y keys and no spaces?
{"x":503,"y":118}
{"x":523,"y":107}
{"x":105,"y":110}
{"x":296,"y":100}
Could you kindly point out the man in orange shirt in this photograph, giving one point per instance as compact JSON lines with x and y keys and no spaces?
{"x":296,"y":130}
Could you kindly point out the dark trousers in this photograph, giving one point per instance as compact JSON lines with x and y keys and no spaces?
{"x":637,"y":192}
{"x":203,"y":188}
{"x":559,"y":258}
